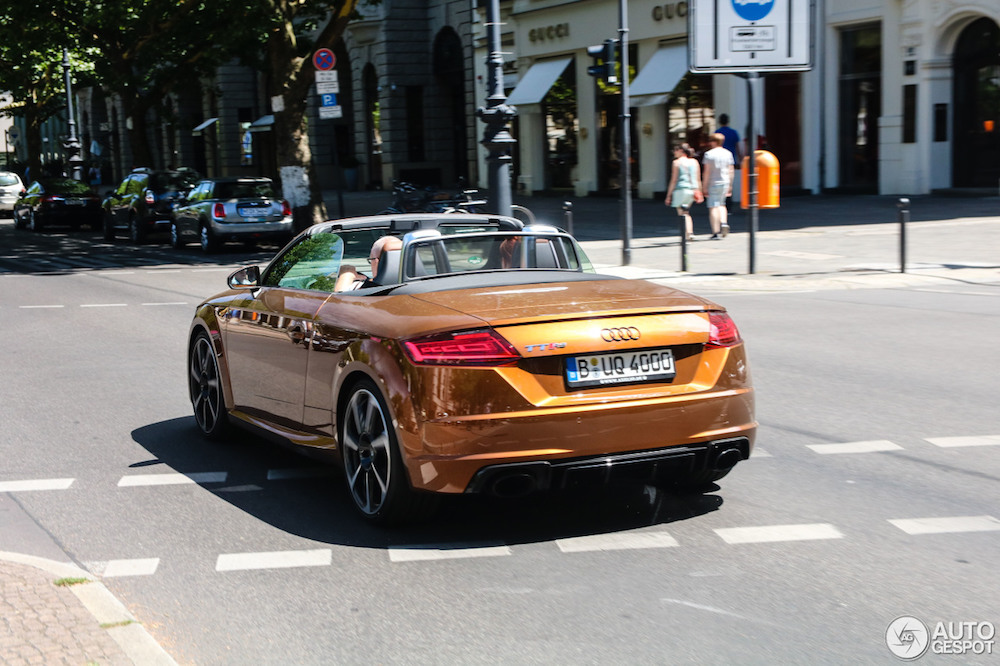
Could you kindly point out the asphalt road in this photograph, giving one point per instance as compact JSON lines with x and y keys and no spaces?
{"x":873,"y":493}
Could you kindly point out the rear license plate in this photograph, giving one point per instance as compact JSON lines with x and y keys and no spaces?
{"x":255,"y":212}
{"x":75,"y":202}
{"x":626,"y":367}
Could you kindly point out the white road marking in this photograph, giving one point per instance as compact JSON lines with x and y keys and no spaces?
{"x":297,"y":473}
{"x":624,"y":541}
{"x":803,"y":255}
{"x":946,"y":525}
{"x":282,"y":559}
{"x":770,"y":533}
{"x":40,"y":307}
{"x":951,"y":442}
{"x":35,"y":484}
{"x":710,"y":609}
{"x":117,"y":272}
{"x":104,"y":305}
{"x":212,"y":270}
{"x":138,"y":567}
{"x":443,"y":552}
{"x":855,"y":447}
{"x":171,"y":478}
{"x":169,"y":303}
{"x":760,"y":453}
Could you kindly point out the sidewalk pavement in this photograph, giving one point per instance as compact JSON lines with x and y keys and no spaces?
{"x":808,"y":243}
{"x":813,"y":242}
{"x":56,"y":613}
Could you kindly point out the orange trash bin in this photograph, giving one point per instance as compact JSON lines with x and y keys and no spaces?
{"x":768,"y":185}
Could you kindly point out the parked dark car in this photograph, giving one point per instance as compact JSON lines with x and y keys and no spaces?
{"x":231,"y":209}
{"x":57,"y":201}
{"x":143,"y":201}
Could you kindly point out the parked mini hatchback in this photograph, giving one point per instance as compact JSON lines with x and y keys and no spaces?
{"x":231,"y":209}
{"x":143,"y":201}
{"x":57,"y":201}
{"x":11,"y":188}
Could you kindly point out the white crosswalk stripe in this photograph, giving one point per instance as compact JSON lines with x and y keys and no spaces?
{"x":35,"y":484}
{"x":621,"y":541}
{"x":855,"y":447}
{"x":282,"y":559}
{"x":947,"y":525}
{"x":419,"y":553}
{"x":136,"y":567}
{"x":951,"y":442}
{"x":772,"y":533}
{"x":171,"y":478}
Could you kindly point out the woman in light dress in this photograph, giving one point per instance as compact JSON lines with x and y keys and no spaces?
{"x":685,"y":185}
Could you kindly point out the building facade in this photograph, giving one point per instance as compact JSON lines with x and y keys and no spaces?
{"x":903,"y":97}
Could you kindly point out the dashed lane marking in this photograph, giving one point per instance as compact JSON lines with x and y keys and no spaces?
{"x":792,"y":254}
{"x":419,"y":553}
{"x":297,"y":473}
{"x":772,"y":533}
{"x":855,"y":447}
{"x":35,"y":484}
{"x":168,"y":303}
{"x":282,"y":559}
{"x":947,"y":525}
{"x":137,"y":567}
{"x":40,"y":307}
{"x":104,"y":305}
{"x":953,"y":442}
{"x":171,"y":478}
{"x":626,"y":541}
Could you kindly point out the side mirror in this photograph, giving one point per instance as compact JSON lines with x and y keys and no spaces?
{"x":245,"y":278}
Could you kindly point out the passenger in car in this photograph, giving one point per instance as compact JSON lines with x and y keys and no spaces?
{"x":350,"y":278}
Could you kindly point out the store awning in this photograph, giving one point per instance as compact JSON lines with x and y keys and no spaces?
{"x":202,"y":127}
{"x":536,"y":82}
{"x":662,"y":73}
{"x":262,"y":124}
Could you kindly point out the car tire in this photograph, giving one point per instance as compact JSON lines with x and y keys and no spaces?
{"x":209,"y":243}
{"x":18,"y":220}
{"x":176,"y":241}
{"x":34,"y":221}
{"x":373,"y":467}
{"x":109,"y":227}
{"x":205,"y":388}
{"x":136,"y":233}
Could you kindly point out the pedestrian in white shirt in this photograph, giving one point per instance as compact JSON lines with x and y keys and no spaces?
{"x":717,"y":179}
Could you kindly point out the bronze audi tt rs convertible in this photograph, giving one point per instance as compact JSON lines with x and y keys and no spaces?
{"x":477,"y":355}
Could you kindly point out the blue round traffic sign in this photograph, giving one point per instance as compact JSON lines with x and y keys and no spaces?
{"x":753,"y":10}
{"x":324,"y":59}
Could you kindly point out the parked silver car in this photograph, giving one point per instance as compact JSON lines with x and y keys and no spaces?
{"x":231,"y":209}
{"x":11,"y":188}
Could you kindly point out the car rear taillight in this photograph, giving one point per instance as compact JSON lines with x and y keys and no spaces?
{"x":286,"y":208}
{"x":219,"y":211}
{"x":723,"y":331}
{"x":150,"y":198}
{"x":468,"y":348}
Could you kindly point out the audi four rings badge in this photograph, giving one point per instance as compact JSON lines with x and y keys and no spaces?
{"x":620,"y":334}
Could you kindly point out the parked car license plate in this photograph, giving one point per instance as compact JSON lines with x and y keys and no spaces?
{"x":255,"y":212}
{"x":626,"y":367}
{"x":75,"y":202}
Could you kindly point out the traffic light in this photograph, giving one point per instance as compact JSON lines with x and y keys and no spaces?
{"x":605,"y":56}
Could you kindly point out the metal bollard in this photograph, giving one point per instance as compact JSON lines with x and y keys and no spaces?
{"x":684,"y":248}
{"x":904,"y":216}
{"x":568,"y":212}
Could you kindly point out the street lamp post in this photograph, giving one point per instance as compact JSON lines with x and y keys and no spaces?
{"x":495,"y":114}
{"x":72,"y":143}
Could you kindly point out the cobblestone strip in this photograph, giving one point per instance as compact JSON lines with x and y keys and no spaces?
{"x":42,"y":623}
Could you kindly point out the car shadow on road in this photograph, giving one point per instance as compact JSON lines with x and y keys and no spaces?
{"x":309,"y":498}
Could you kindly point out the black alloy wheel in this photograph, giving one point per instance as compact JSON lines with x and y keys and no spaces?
{"x":34,"y":221}
{"x":205,"y":385}
{"x":209,"y":243}
{"x":109,"y":227}
{"x":376,"y":477}
{"x":136,"y":232}
{"x":176,"y":241}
